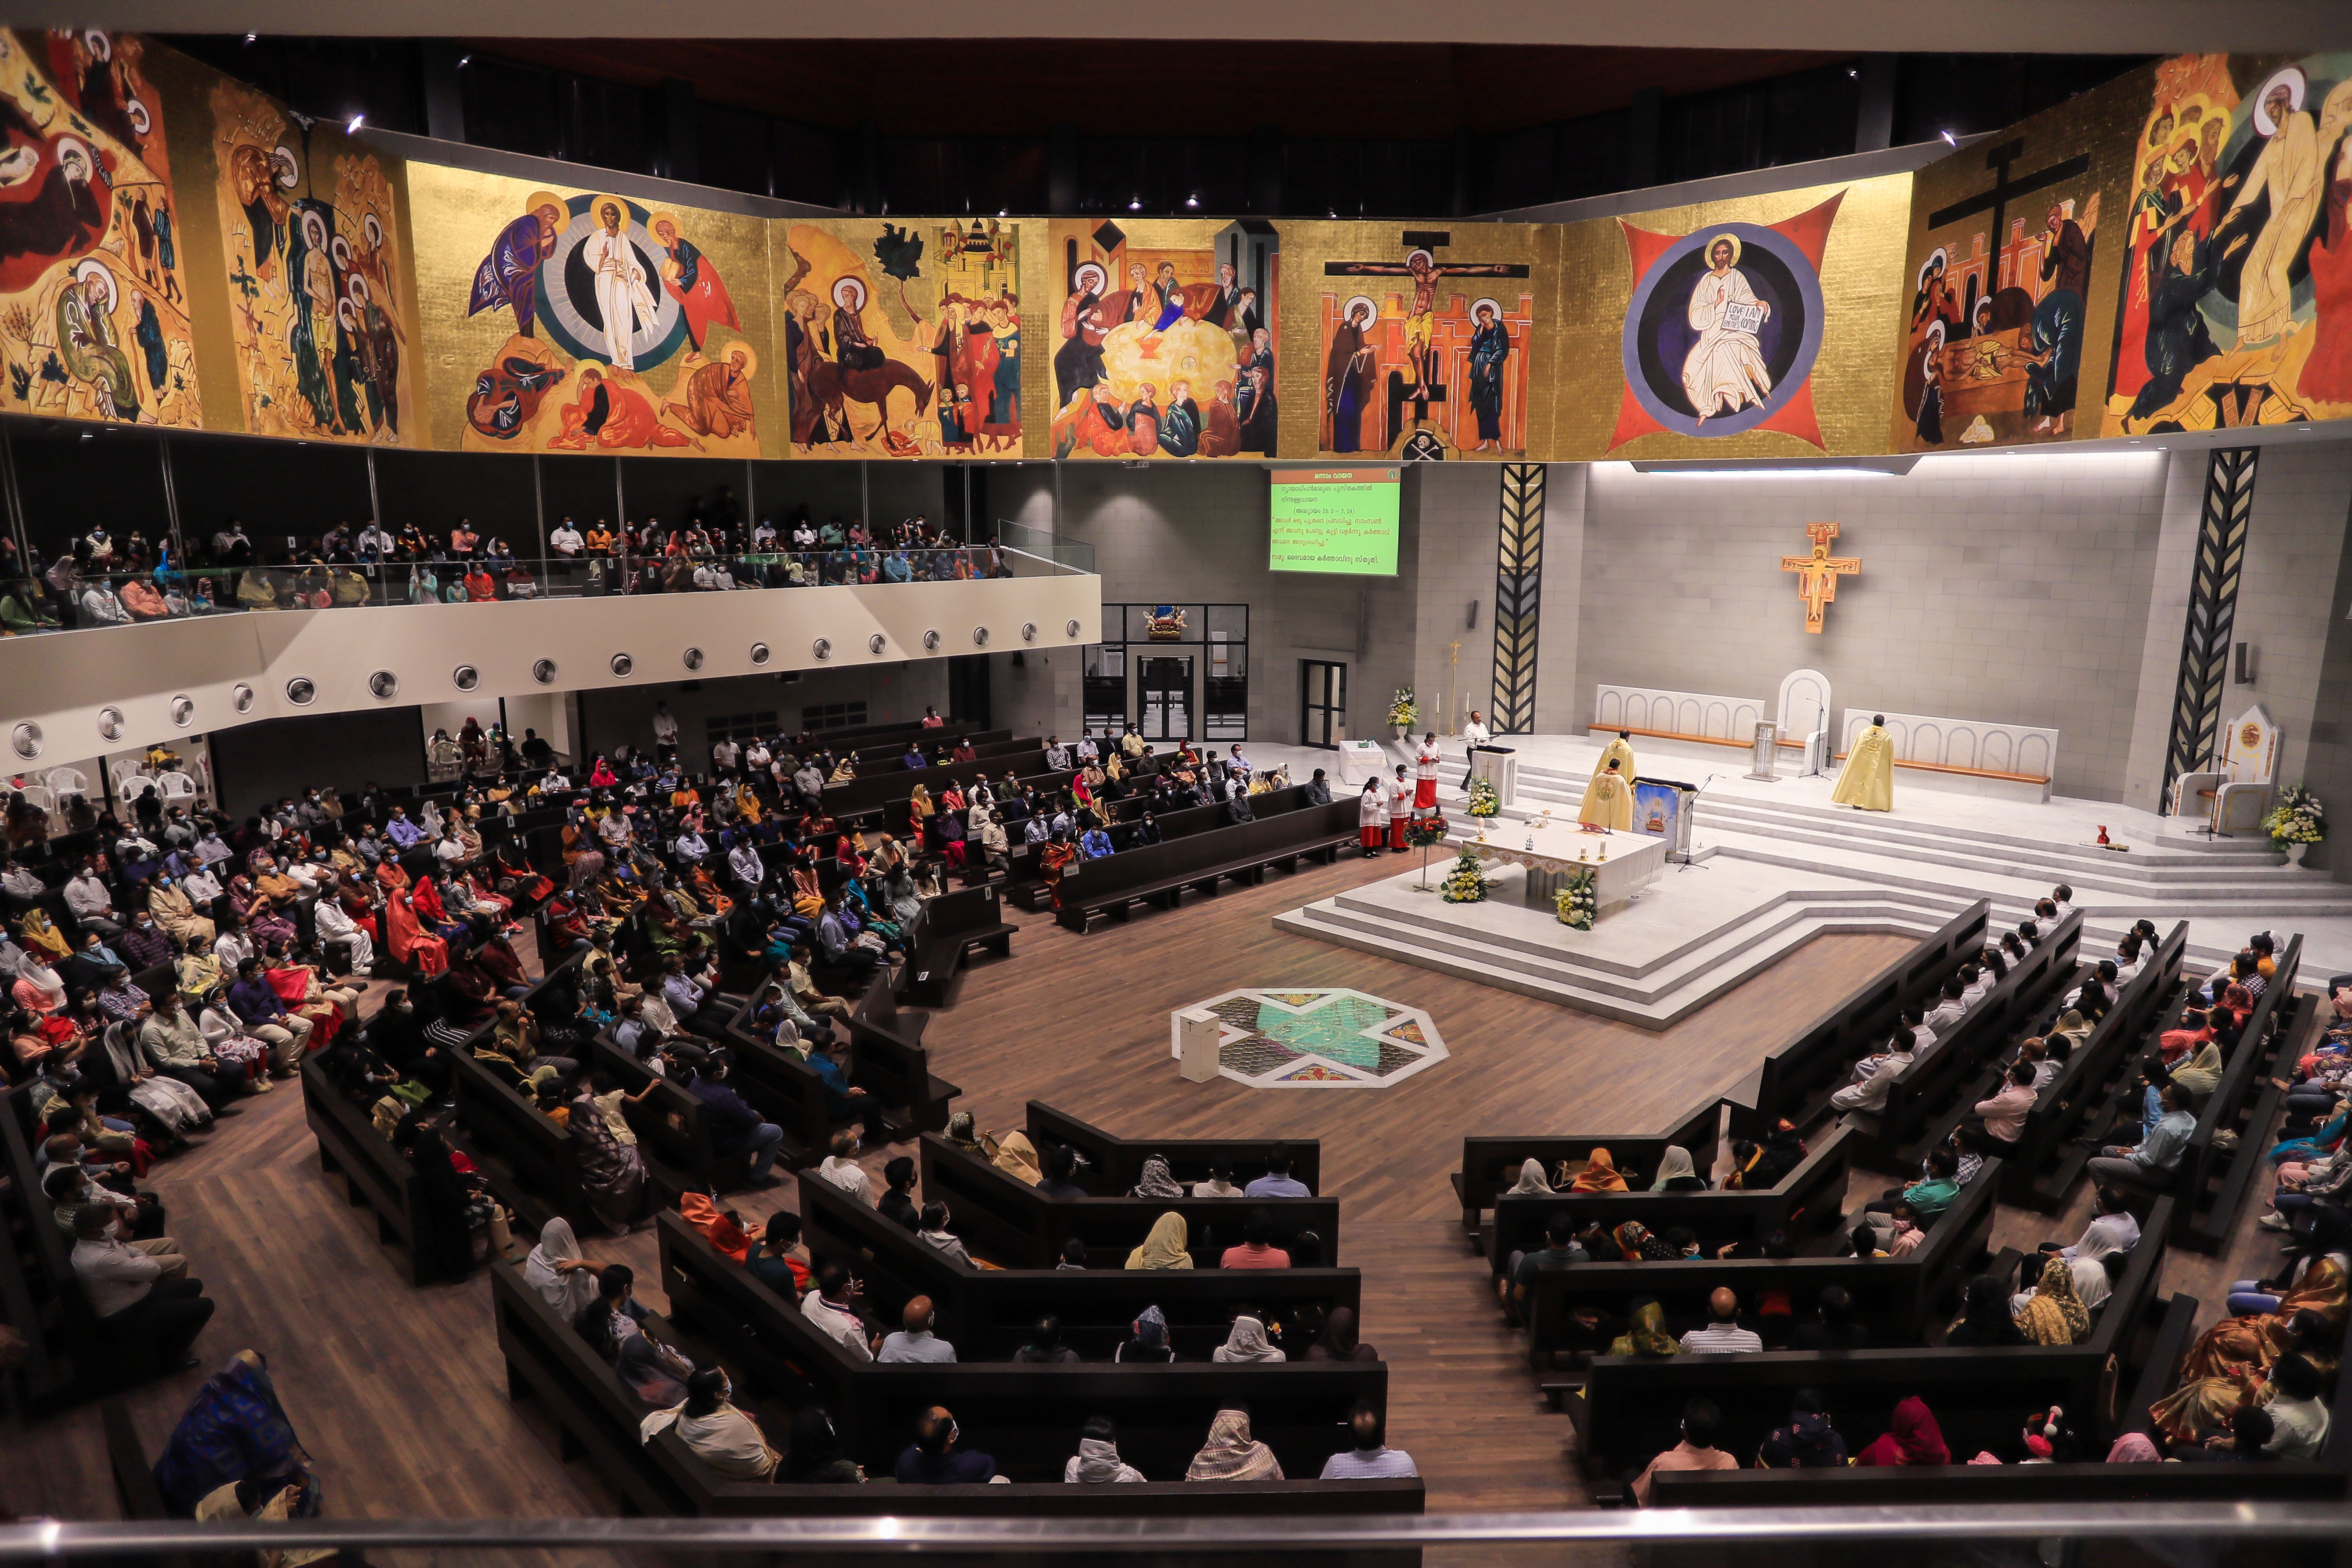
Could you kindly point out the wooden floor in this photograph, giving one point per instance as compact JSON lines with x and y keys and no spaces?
{"x":398,"y":1394}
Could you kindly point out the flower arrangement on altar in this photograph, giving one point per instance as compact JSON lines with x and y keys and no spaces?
{"x":2295,"y":824}
{"x":1576,"y":904}
{"x":1402,"y":713}
{"x":1467,"y":883}
{"x":1485,"y":800}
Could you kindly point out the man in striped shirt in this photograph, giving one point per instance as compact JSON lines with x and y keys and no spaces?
{"x":1373,"y":1459}
{"x":1723,"y":1336}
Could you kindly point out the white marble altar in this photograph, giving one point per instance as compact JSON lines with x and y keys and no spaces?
{"x":1622,"y":864}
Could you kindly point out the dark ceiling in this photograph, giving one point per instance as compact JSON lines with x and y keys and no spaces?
{"x":1126,"y":87}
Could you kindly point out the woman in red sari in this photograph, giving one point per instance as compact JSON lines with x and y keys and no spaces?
{"x":390,"y":877}
{"x":427,"y":901}
{"x":409,"y":943}
{"x":301,"y":991}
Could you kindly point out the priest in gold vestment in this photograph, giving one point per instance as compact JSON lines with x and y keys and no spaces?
{"x":1607,"y":801}
{"x":1866,"y":782}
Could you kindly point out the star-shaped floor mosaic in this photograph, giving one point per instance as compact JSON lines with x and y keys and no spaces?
{"x":1318,"y":1039}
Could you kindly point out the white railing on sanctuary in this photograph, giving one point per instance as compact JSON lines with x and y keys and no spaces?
{"x":1693,"y":713}
{"x":1976,"y":745}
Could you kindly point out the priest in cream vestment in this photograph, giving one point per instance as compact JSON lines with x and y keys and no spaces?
{"x":1866,"y":782}
{"x":1608,"y":799}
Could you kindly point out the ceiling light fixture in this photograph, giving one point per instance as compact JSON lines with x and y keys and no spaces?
{"x":356,"y":121}
{"x":1949,"y":137}
{"x":1135,"y":206}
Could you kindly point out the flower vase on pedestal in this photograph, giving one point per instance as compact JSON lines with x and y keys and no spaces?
{"x":2294,"y":853}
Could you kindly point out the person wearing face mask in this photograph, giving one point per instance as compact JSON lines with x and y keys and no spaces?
{"x":128,"y":1294}
{"x":144,"y":946}
{"x":721,"y":1436}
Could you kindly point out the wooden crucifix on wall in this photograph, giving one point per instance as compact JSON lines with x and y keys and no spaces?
{"x":1816,"y":574}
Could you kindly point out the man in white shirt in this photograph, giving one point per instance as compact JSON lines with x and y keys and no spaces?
{"x":566,"y":541}
{"x":724,"y":754}
{"x":376,"y":542}
{"x":1949,"y":1010}
{"x":451,"y":848}
{"x":803,"y":535}
{"x":1474,"y":736}
{"x":2062,"y":899}
{"x":2101,"y":979}
{"x":916,"y":1341}
{"x":842,"y":1170}
{"x":127,"y":1291}
{"x":1915,"y":1019}
{"x":1873,"y":1076}
{"x":664,"y":731}
{"x":20,"y":881}
{"x":1723,"y":1336}
{"x":92,"y":904}
{"x":828,"y":1308}
{"x":1058,"y":756}
{"x":1277,"y":1182}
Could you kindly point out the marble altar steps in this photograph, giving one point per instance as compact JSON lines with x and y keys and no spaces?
{"x":2224,"y":887}
{"x":1653,"y":992}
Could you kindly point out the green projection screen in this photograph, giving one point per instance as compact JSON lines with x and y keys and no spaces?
{"x":1334,"y":520}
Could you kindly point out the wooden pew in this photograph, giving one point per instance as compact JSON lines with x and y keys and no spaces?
{"x":1013,"y":1223}
{"x":1794,"y":1081}
{"x":375,"y":1174}
{"x":1490,"y":1163}
{"x":988,"y":1313}
{"x":1895,"y":1297}
{"x":1158,"y":873}
{"x":943,"y":937}
{"x":1807,"y":1202}
{"x":672,"y":1123}
{"x":1630,"y":1404}
{"x":889,"y":744}
{"x":2214,"y":1180}
{"x":1918,"y":1101}
{"x":1025,"y":1414}
{"x":789,"y":1092}
{"x":2047,"y":1162}
{"x":888,"y":1046}
{"x":135,"y":1491}
{"x":881,"y":783}
{"x":1119,"y":1161}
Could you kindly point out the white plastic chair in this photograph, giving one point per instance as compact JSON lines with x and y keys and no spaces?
{"x":134,"y":786}
{"x":38,"y":795}
{"x":122,"y":768}
{"x":65,"y":781}
{"x":176,"y":786}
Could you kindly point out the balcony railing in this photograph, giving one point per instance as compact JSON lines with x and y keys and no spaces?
{"x":168,"y":593}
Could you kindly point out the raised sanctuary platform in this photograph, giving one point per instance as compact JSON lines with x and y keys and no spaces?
{"x":1688,"y":937}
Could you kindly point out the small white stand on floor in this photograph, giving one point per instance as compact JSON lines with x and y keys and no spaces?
{"x":1361,"y":760}
{"x":1197,"y":1031}
{"x":1767,"y":739}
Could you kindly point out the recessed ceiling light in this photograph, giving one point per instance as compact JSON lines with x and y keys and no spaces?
{"x":1135,"y":206}
{"x":1949,"y":137}
{"x":465,"y":60}
{"x":356,"y":121}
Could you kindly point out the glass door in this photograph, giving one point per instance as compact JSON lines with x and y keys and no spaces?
{"x":1166,"y":693}
{"x":1322,"y":703}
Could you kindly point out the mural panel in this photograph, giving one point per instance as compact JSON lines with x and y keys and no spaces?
{"x":2235,"y":307}
{"x":317,"y":285}
{"x":1164,"y":338}
{"x":902,"y":340}
{"x":1748,"y":328}
{"x":1425,"y":340}
{"x":93,"y":307}
{"x":585,"y":322}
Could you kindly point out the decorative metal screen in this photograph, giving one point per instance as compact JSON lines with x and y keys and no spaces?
{"x":2213,"y":611}
{"x":1518,"y":593}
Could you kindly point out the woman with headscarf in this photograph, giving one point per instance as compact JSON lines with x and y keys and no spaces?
{"x":1015,"y":1158}
{"x":455,"y":1209}
{"x":720,"y":1435}
{"x":1915,"y":1439}
{"x":1635,"y":1240}
{"x":1531,"y":1179}
{"x":816,"y":1458}
{"x":2201,"y":1073}
{"x":1986,"y":1317}
{"x":1157,"y":1181}
{"x":2134,"y":1449}
{"x":612,"y":1174}
{"x":1150,"y":1342}
{"x":235,"y":1430}
{"x":259,"y":912}
{"x":42,"y":938}
{"x":1648,"y":1334}
{"x":1247,"y":1342}
{"x":962,"y":1134}
{"x":1676,"y":1172}
{"x":1338,"y":1341}
{"x":176,"y":912}
{"x":1232,"y":1455}
{"x":407,"y":939}
{"x":555,"y":1269}
{"x":2055,"y":1314}
{"x":1096,"y":1461}
{"x":1166,"y":1247}
{"x":1599,"y":1175}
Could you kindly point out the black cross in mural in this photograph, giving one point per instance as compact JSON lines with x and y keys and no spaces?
{"x":1423,"y":389}
{"x":1998,"y":159}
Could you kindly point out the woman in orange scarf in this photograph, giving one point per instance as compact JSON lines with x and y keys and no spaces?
{"x":299,"y":990}
{"x":1055,"y":856}
{"x":427,"y":901}
{"x":408,"y":941}
{"x":1598,"y":1176}
{"x":391,"y":876}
